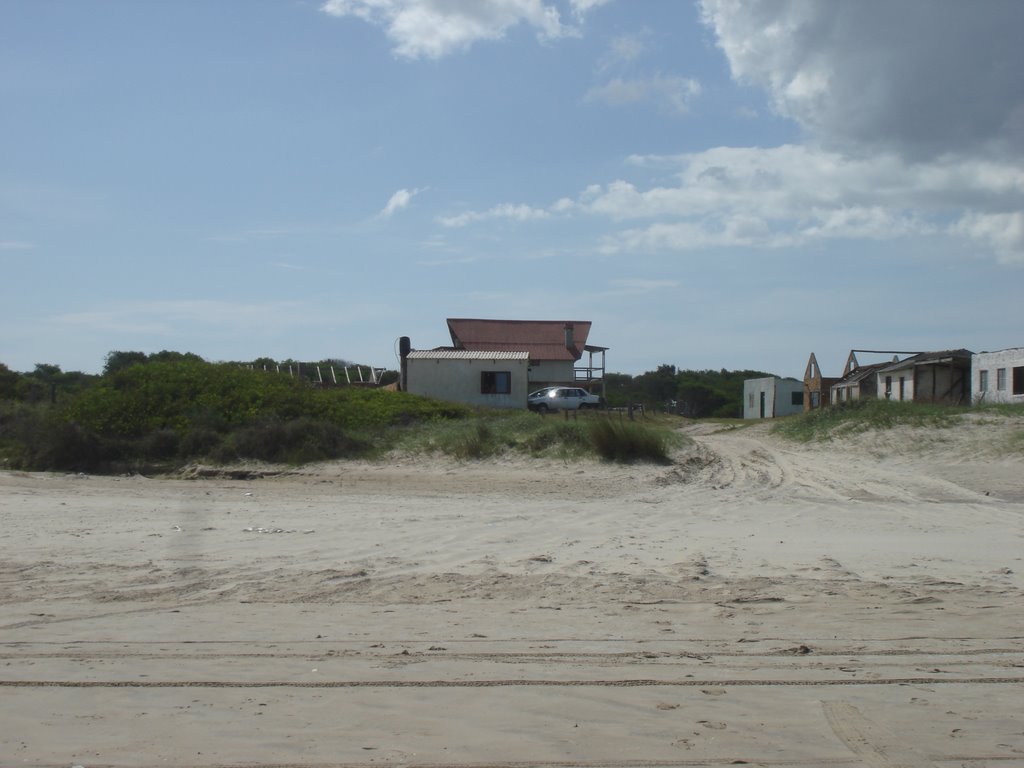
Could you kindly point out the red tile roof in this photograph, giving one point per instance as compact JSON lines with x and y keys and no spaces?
{"x":543,"y":339}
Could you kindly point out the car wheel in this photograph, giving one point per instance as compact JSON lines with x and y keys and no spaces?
{"x":542,"y":408}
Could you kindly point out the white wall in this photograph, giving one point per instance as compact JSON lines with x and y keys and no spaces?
{"x":553,"y":372}
{"x":907,"y":374}
{"x":778,"y":397}
{"x":1006,"y":359}
{"x":458,"y":380}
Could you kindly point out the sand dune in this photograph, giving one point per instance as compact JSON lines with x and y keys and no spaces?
{"x":851,"y":603}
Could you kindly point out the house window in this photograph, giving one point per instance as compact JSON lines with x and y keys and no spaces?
{"x":796,"y":398}
{"x":983,"y":381}
{"x":1000,"y":378}
{"x":751,"y":401}
{"x":495,"y":382}
{"x":888,"y":387}
{"x":815,"y":399}
{"x":1018,"y":380}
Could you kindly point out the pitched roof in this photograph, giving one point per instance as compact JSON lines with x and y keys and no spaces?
{"x":543,"y":339}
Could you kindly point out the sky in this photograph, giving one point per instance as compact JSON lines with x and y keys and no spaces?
{"x":714,"y":184}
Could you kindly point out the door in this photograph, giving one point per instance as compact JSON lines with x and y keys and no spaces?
{"x":762,"y":405}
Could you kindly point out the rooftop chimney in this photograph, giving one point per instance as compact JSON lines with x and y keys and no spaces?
{"x":569,"y":342}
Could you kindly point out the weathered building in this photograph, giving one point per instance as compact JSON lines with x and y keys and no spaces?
{"x":936,"y":377}
{"x":771,"y":397}
{"x":998,"y":377}
{"x":817,"y":388}
{"x":858,"y":380}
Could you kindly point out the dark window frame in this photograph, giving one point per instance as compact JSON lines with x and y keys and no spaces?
{"x":495,"y":382}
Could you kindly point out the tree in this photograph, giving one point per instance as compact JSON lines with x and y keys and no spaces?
{"x":50,"y":376}
{"x":118,"y":361}
{"x":8,"y":383}
{"x":699,"y":401}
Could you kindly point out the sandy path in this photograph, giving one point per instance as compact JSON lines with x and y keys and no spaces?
{"x":756,"y":601}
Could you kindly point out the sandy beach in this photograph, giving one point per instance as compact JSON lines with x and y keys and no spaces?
{"x":759,"y":602}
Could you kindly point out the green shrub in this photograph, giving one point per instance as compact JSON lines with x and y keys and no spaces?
{"x":293,"y":442}
{"x":866,"y":414}
{"x":627,"y":441}
{"x":199,"y":442}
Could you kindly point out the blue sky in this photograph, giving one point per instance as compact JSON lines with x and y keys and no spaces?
{"x":715,"y":184}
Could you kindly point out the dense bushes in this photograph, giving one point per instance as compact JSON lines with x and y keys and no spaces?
{"x":156,"y":413}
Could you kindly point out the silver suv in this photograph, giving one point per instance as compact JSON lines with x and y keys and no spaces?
{"x":561,"y":399}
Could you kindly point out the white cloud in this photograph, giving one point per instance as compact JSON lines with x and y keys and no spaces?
{"x":398,"y":201}
{"x":672,"y":91}
{"x":512,"y":211}
{"x":581,"y":7}
{"x":1002,"y":232}
{"x":623,"y":50}
{"x":792,"y":195}
{"x":918,"y":77}
{"x":16,"y":245}
{"x":435,"y":28}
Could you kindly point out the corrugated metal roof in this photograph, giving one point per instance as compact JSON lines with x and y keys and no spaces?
{"x":466,"y":354}
{"x":543,"y":339}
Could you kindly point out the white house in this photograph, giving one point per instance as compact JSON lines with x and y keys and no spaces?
{"x":495,"y":379}
{"x":998,"y":377}
{"x":556,"y":347}
{"x":498,"y":362}
{"x":771,"y":397}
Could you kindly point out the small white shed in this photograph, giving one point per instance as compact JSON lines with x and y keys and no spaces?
{"x":492,"y":379}
{"x":772,"y":396}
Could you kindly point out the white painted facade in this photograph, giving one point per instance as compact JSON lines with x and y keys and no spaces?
{"x":772,"y":397}
{"x":998,"y":377}
{"x":896,"y":382}
{"x":491,"y":379}
{"x":552,"y":372}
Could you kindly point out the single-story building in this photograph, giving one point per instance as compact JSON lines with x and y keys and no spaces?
{"x":935,"y":377}
{"x":494,"y":379}
{"x":998,"y":377}
{"x":772,"y":397}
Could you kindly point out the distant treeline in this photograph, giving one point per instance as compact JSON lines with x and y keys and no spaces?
{"x":697,"y":394}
